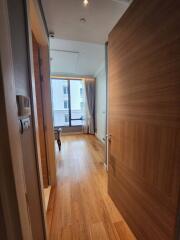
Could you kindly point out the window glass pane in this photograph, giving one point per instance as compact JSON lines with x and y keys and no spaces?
{"x":65,"y":89}
{"x":66,"y":117}
{"x":60,"y":102}
{"x":77,"y":102}
{"x":66,"y":104}
{"x":81,"y":92}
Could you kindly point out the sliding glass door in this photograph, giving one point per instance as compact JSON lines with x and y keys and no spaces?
{"x":68,"y":102}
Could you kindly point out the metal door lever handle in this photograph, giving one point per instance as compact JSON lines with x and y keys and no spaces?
{"x":109,"y":137}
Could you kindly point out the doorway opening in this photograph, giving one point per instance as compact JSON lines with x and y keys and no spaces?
{"x":79,"y":103}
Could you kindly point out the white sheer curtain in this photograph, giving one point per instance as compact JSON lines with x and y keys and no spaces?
{"x":89,"y":106}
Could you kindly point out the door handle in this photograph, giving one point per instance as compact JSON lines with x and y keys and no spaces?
{"x":109,"y":137}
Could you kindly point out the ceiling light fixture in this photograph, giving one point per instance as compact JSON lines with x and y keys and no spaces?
{"x":83,"y":20}
{"x":85,"y":2}
{"x":51,"y":34}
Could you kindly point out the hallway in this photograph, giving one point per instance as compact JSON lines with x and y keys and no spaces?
{"x":79,"y":207}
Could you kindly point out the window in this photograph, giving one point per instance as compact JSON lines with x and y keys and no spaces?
{"x":81,"y":105}
{"x":76,"y":88}
{"x":81,"y":92}
{"x":66,"y":118}
{"x":58,"y":97}
{"x":65,"y":89}
{"x":65,"y":104}
{"x":68,"y":102}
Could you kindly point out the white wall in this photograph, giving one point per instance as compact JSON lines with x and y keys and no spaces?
{"x":101,"y":102}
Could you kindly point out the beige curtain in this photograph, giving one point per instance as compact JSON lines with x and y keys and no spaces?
{"x":89,"y":106}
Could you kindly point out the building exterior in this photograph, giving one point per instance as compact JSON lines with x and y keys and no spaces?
{"x":68,"y":102}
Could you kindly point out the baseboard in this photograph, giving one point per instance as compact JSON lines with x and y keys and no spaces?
{"x":71,"y":133}
{"x":103,"y":142}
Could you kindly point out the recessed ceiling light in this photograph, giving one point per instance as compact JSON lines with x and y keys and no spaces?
{"x":51,"y":34}
{"x":85,"y":2}
{"x":83,"y":20}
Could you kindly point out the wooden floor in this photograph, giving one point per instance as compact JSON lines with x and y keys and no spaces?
{"x":79,"y":206}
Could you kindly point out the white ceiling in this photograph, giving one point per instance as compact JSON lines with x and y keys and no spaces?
{"x":63,"y":18}
{"x":75,"y":57}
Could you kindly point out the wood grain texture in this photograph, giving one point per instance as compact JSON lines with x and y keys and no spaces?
{"x":79,"y":206}
{"x":144,"y":117}
{"x":14,"y":208}
{"x":39,"y":101}
{"x":48,"y":119}
{"x":37,"y":24}
{"x":2,"y":224}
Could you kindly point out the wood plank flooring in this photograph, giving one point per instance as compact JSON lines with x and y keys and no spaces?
{"x":79,"y":206}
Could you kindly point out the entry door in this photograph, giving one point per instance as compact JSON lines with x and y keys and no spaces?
{"x":144,"y":118}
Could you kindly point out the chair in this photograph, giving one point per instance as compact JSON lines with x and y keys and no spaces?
{"x":57,"y":135}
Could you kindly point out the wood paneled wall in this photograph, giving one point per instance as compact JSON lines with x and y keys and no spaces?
{"x":144,"y":117}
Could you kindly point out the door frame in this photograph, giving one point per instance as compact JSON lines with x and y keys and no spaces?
{"x":35,"y":25}
{"x":107,"y":108}
{"x":38,"y":27}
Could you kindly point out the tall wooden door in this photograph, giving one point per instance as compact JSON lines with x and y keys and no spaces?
{"x":39,"y":99}
{"x":144,"y":118}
